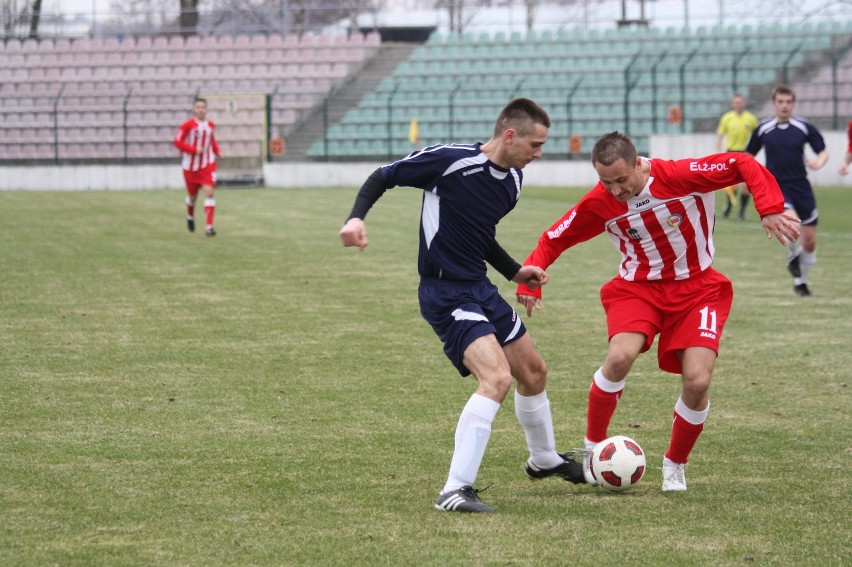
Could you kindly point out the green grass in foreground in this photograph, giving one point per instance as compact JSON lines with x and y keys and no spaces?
{"x":270,"y":398}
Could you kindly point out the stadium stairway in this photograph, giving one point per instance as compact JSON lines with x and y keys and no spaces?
{"x":345,"y":97}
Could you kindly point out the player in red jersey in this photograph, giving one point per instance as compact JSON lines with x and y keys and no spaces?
{"x":660,"y":216}
{"x":196,"y":140}
{"x":847,"y":157}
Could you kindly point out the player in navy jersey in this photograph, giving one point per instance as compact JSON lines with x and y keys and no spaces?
{"x":783,"y":138}
{"x":467,"y":189}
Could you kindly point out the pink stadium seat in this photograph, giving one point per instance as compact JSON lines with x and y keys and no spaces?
{"x":143,"y":43}
{"x":111,"y":44}
{"x":192,"y":42}
{"x":14,"y":60}
{"x":33,"y":59}
{"x":274,"y":41}
{"x":225,"y":42}
{"x":29,"y":44}
{"x":49,"y":60}
{"x":242,"y":42}
{"x":160,"y":43}
{"x":80,"y":45}
{"x":127,"y":44}
{"x":258,"y":41}
{"x":226,"y":57}
{"x":62,"y":45}
{"x":46,"y":45}
{"x":176,"y":43}
{"x":13,"y":45}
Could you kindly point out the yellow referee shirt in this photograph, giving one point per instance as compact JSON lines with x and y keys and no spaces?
{"x":737,"y":129}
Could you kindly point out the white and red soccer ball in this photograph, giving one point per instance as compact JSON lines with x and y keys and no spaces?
{"x":618,"y":463}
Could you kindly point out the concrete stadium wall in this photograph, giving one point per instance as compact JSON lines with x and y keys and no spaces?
{"x":337,"y":174}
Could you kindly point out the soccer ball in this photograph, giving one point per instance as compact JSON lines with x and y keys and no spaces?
{"x":618,"y":463}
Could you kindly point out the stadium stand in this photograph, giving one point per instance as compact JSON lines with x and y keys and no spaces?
{"x":97,"y":99}
{"x":452,"y":84}
{"x":117,"y":99}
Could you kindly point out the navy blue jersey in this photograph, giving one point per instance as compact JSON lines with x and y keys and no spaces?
{"x":785,"y":145}
{"x":464,"y":197}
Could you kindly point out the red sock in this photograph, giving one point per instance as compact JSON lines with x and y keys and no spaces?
{"x":601,"y":407}
{"x":684,"y":436}
{"x":190,"y":209}
{"x":209,"y":210}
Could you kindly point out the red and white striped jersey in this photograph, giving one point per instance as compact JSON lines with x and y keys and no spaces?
{"x":666,"y":231}
{"x":193,"y":134}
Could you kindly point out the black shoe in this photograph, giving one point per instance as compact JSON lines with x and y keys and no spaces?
{"x":802,"y":290}
{"x":794,"y":268}
{"x":210,"y":231}
{"x":569,"y":470}
{"x":462,"y":500}
{"x":190,"y":225}
{"x":727,"y":212}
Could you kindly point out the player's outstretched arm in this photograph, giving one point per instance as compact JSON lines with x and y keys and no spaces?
{"x":784,"y":226}
{"x":354,"y":233}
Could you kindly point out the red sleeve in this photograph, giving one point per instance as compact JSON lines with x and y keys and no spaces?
{"x":718,"y":171}
{"x":181,"y":135}
{"x":849,"y":135}
{"x":581,"y":222}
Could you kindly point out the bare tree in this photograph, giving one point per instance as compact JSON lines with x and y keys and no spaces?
{"x":189,"y":17}
{"x":34,"y":18}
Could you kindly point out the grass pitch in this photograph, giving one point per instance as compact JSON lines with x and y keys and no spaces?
{"x":267,"y":397}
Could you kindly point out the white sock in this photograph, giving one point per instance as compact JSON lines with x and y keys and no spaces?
{"x":793,"y":249}
{"x":472,"y":433}
{"x":806,"y":262}
{"x":534,"y":414}
{"x":690,"y":415}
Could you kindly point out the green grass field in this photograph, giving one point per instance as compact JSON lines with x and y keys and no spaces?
{"x":267,"y":397}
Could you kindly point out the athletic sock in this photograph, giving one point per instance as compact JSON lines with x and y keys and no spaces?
{"x":806,"y":262}
{"x":686,"y":427}
{"x":209,"y":210}
{"x":472,"y":433}
{"x":533,"y":412}
{"x":603,"y":399}
{"x":744,"y":202}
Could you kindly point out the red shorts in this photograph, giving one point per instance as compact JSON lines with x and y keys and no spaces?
{"x":685,"y":313}
{"x":196,"y":179}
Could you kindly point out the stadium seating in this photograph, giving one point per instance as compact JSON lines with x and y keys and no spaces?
{"x":479,"y":73}
{"x":83,"y":93}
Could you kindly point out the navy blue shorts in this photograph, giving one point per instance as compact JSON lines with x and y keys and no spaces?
{"x":799,"y":196}
{"x":461,"y":312}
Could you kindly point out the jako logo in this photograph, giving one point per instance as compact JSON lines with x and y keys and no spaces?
{"x":695,"y":166}
{"x":563,"y":226}
{"x":472,"y":171}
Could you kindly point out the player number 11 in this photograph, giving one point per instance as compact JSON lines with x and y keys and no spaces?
{"x":707,"y":316}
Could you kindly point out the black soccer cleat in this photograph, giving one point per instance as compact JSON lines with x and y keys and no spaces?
{"x":794,"y":268}
{"x":190,"y":225}
{"x":569,"y":470}
{"x":802,"y":290}
{"x":210,"y":231}
{"x":464,"y":499}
